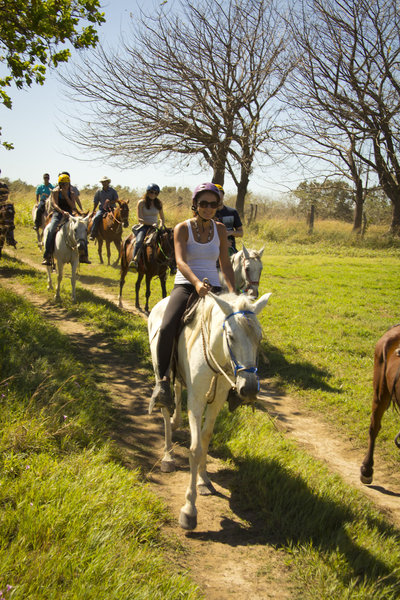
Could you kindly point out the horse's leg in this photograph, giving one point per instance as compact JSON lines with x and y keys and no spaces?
{"x":137,"y":289}
{"x":49,"y":281}
{"x":163,"y":281}
{"x":380,"y":403}
{"x":176,"y":419}
{"x":188,"y":514}
{"x":100,"y":248}
{"x":118,"y":247}
{"x":148,"y":292}
{"x":125,"y":253}
{"x":60,"y":268}
{"x":74,"y":267}
{"x":108,"y":252}
{"x":204,"y":485}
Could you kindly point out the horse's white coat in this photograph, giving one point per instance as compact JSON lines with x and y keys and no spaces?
{"x":247,"y":267}
{"x":243,"y":333}
{"x":69,"y":239}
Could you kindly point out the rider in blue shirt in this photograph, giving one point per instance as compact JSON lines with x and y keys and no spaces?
{"x":43,"y":191}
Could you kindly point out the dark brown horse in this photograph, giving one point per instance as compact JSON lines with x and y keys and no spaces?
{"x":154,"y":260}
{"x":386,"y":384}
{"x":110,"y":229}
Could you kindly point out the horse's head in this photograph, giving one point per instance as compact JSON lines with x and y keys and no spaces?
{"x":124,"y":212}
{"x":79,"y":227}
{"x":247,"y":268}
{"x":166,"y":249}
{"x":242,"y":336}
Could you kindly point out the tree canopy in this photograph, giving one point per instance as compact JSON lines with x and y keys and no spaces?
{"x":35,"y":34}
{"x":198,"y":83}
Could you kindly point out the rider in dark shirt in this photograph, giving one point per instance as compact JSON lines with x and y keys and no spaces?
{"x":230,"y":218}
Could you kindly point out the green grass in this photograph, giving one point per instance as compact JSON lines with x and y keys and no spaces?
{"x":74,"y":522}
{"x":333,"y":296}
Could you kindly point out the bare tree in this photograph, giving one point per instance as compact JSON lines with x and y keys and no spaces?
{"x":347,"y":86}
{"x":196,"y":85}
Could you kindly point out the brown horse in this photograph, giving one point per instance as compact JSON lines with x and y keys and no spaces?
{"x":154,"y":260}
{"x":386,"y":385}
{"x":110,"y":229}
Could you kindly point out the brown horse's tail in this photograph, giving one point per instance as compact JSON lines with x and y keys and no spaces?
{"x":124,"y":251}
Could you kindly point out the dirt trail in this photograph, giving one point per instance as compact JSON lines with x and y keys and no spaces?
{"x":225,"y":555}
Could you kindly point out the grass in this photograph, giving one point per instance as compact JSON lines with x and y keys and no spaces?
{"x":74,"y":523}
{"x":333,"y":296}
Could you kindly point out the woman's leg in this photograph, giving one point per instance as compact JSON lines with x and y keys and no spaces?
{"x":51,"y":234}
{"x":169,"y":327}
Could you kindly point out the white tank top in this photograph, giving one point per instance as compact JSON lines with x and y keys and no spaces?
{"x":201,"y":258}
{"x":150,"y":215}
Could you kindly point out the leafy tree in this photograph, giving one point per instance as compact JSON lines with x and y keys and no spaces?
{"x":331,"y":199}
{"x":34,"y":35}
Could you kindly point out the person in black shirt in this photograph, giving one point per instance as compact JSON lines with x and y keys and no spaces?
{"x":230,"y":218}
{"x":63,"y":202}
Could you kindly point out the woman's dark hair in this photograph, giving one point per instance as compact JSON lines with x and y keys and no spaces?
{"x":157,"y":202}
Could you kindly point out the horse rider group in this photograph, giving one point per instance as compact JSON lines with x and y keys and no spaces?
{"x":202,"y":244}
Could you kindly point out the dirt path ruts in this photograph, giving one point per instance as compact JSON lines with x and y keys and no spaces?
{"x":225,"y":555}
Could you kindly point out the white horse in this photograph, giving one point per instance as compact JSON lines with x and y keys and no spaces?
{"x":40,"y":230}
{"x":71,"y":240}
{"x":247,"y":267}
{"x":217,"y":351}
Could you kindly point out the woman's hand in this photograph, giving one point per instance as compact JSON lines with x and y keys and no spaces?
{"x":202,"y":287}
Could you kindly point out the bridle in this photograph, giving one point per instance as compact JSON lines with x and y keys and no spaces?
{"x":167,"y":258}
{"x":71,"y":241}
{"x":236,"y":366}
{"x":250,"y":283}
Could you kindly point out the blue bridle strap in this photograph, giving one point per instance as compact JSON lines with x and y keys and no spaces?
{"x":237,"y":366}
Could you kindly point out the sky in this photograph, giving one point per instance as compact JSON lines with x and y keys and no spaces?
{"x":34,"y":127}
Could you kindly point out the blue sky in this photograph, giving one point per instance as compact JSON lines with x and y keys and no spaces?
{"x":33,"y":127}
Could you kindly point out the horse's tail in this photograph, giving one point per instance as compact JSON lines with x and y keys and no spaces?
{"x":124,"y":251}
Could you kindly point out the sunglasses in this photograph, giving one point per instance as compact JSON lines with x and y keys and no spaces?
{"x":205,"y":204}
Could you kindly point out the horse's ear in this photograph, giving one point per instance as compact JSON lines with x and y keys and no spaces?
{"x":260,"y":252}
{"x":224,"y":306}
{"x":261,"y":303}
{"x":246,"y":252}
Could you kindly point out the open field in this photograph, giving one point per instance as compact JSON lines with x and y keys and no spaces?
{"x":331,"y":302}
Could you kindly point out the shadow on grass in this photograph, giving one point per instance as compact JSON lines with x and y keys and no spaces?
{"x":280,"y":509}
{"x":303,"y":374}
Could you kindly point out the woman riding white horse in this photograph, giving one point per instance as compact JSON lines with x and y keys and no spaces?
{"x":70,"y":245}
{"x":199,"y":243}
{"x":217,"y":353}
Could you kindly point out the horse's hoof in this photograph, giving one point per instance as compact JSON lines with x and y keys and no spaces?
{"x":187,"y":521}
{"x":367,"y":479}
{"x":167,"y":466}
{"x":206,"y":489}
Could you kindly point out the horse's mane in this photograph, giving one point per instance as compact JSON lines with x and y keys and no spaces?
{"x":238,"y":303}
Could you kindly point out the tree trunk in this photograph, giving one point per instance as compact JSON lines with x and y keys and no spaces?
{"x":311,"y":219}
{"x":395,"y":225}
{"x":358,"y":214}
{"x":241,"y":193}
{"x":359,"y":204}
